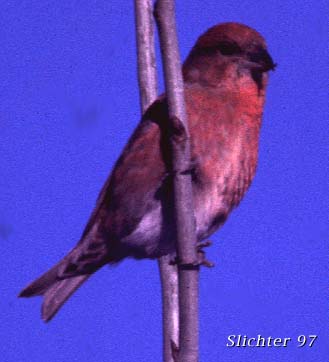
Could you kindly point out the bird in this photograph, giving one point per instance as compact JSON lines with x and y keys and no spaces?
{"x":225,"y":77}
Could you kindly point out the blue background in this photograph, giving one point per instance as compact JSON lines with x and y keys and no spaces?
{"x":69,"y":101}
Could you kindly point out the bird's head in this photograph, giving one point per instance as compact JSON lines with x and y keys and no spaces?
{"x":228,"y":50}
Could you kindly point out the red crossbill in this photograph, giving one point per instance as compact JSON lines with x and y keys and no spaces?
{"x":225,"y":77}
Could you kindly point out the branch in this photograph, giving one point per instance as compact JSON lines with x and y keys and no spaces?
{"x":183,"y":195}
{"x":147,"y":77}
{"x":170,"y":307}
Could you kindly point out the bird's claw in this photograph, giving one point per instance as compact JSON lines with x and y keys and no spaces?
{"x":204,"y":244}
{"x":201,"y":256}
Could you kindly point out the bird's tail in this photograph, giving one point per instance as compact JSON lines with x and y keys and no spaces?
{"x":55,"y":291}
{"x":64,"y":278}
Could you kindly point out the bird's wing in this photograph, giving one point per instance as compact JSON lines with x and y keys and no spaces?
{"x":130,"y":191}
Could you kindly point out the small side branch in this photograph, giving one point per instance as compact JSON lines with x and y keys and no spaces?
{"x":146,"y":62}
{"x":170,"y":307}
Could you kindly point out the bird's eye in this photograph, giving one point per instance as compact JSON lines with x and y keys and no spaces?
{"x":228,"y":48}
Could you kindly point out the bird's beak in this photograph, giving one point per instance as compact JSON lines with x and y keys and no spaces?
{"x":262,"y":59}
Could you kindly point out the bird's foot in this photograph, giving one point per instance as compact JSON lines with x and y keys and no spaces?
{"x":202,"y":254}
{"x":203,"y":244}
{"x":201,"y":257}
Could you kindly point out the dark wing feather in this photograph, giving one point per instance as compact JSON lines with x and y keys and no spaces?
{"x":130,"y":192}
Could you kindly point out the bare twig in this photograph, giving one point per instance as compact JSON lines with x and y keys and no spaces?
{"x":183,"y":196}
{"x":147,"y":74}
{"x":147,"y":77}
{"x":170,"y":307}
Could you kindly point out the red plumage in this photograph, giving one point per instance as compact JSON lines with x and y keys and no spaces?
{"x":225,"y":77}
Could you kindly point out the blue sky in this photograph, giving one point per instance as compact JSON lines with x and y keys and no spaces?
{"x":69,"y":101}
